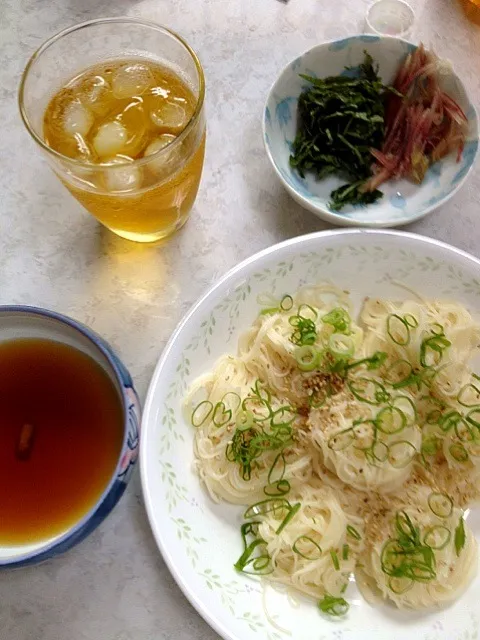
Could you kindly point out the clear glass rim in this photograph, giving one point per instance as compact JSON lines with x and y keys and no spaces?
{"x":401,"y":4}
{"x":124,"y":20}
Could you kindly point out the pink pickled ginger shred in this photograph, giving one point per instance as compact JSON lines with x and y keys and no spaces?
{"x":422,"y":125}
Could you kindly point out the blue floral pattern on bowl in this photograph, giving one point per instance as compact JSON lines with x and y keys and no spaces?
{"x":403,"y":201}
{"x":128,"y":455}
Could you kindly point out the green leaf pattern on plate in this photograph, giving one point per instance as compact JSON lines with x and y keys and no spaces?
{"x":174,"y":491}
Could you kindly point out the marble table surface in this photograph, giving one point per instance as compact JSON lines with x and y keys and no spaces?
{"x":115,"y":586}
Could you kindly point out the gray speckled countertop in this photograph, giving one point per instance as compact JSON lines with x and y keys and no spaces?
{"x":115,"y":586}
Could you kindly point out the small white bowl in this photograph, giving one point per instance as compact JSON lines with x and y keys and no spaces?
{"x":403,"y":202}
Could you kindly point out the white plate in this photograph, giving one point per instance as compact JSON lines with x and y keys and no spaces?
{"x":200,"y":540}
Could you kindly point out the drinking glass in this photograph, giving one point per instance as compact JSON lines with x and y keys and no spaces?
{"x":472,"y":10}
{"x":166,"y":181}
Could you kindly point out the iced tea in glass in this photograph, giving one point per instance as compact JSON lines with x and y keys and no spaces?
{"x":117,"y":107}
{"x":472,"y":10}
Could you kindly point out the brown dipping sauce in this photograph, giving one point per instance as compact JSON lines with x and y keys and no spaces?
{"x":61,"y":433}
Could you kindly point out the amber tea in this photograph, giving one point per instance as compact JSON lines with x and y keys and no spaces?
{"x":126,"y":122}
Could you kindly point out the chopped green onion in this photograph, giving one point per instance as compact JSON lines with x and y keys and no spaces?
{"x":268,"y":311}
{"x":460,"y":537}
{"x":353,"y":532}
{"x":368,"y":390}
{"x":261,"y":564}
{"x":405,"y":526}
{"x":333,"y":606}
{"x":380,"y":451}
{"x":335,"y":561}
{"x":270,"y":442}
{"x":437,"y":332}
{"x":282,"y":417}
{"x":407,"y":406}
{"x":458,"y":452}
{"x":260,"y":409}
{"x":437,"y":537}
{"x":280,"y":488}
{"x":239,"y":450}
{"x":406,"y":556}
{"x":449,"y":420}
{"x":251,"y":439}
{"x":390,"y":557}
{"x":308,"y":337}
{"x":306,"y":308}
{"x":278,"y":467}
{"x":465,"y":391}
{"x":306,"y":543}
{"x":342,"y":439}
{"x":391,"y":420}
{"x":473,"y":417}
{"x":286,"y":303}
{"x":305,"y":330}
{"x":431,"y":350}
{"x":341,"y":346}
{"x":244,"y":420}
{"x":398,"y":329}
{"x":440,"y":504}
{"x":374,"y":362}
{"x":291,"y":514}
{"x":261,"y":391}
{"x":400,"y":585}
{"x":345,"y":551}
{"x":401,"y":453}
{"x":272,"y":505}
{"x":463,"y":431}
{"x":277,"y":484}
{"x":307,"y":357}
{"x":339,"y":319}
{"x":400,"y":374}
{"x":365,"y":433}
{"x":237,"y":398}
{"x":201,"y":413}
{"x":411,"y":320}
{"x":422,"y":572}
{"x":426,"y":376}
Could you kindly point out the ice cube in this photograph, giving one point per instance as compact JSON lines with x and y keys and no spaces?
{"x":77,"y":119}
{"x":95,"y":94}
{"x":110,"y":139}
{"x":170,"y":115}
{"x":121,"y":176}
{"x":131,"y":80}
{"x":159,"y":143}
{"x":164,"y":160}
{"x":134,"y":120}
